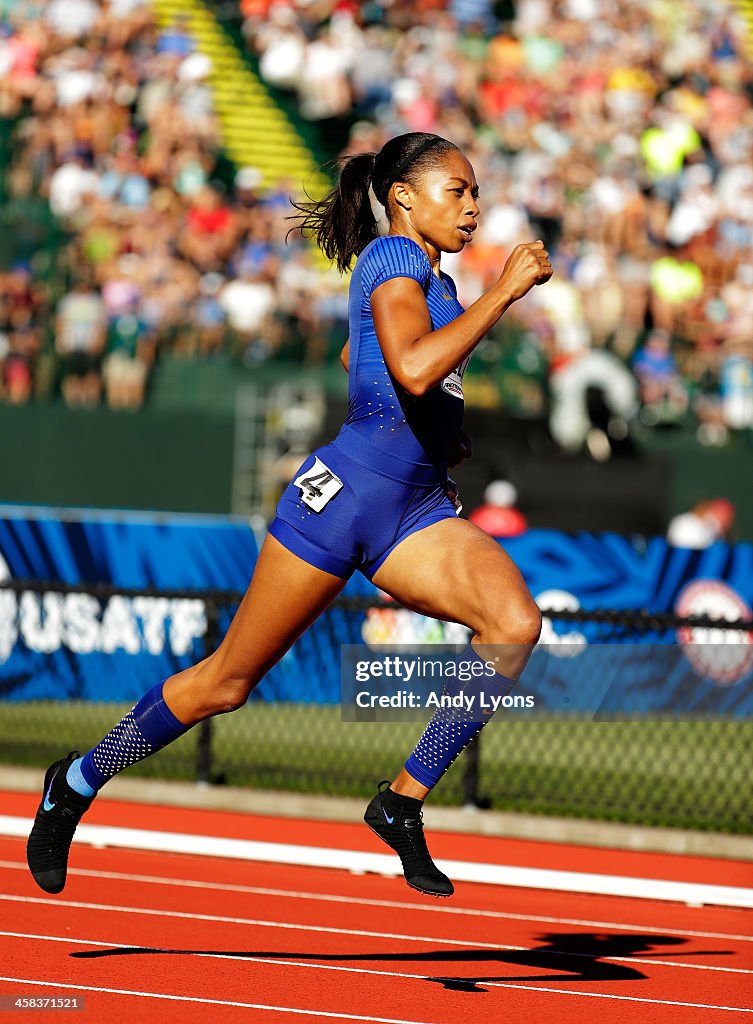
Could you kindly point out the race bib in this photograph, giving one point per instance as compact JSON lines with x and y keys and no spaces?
{"x":453,"y":382}
{"x":318,"y":485}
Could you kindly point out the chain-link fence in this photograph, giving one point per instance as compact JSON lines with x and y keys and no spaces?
{"x":691,"y":772}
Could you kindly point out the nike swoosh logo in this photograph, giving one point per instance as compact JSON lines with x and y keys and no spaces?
{"x":47,"y":805}
{"x":389,"y":819}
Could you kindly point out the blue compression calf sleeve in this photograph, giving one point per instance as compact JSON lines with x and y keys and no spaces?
{"x":147,"y":727}
{"x":451,"y":729}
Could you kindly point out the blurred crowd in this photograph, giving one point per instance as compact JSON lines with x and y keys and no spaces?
{"x":167,"y":249}
{"x":620,"y":134}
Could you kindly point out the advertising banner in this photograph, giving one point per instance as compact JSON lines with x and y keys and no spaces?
{"x":57,"y":645}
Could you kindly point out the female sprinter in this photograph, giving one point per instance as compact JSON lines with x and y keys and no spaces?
{"x":374,"y":499}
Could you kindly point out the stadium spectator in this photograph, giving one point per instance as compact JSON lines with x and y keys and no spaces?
{"x":661,"y":388}
{"x":209,"y":318}
{"x":71,"y":19}
{"x":81,"y":331}
{"x":209,"y":231}
{"x":498,"y":515}
{"x":129,"y":355}
{"x":69,"y":186}
{"x":737,"y":385}
{"x":706,"y":523}
{"x":21,"y":307}
{"x":248,"y":302}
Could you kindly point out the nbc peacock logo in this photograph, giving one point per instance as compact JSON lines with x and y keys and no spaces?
{"x":723,"y":655}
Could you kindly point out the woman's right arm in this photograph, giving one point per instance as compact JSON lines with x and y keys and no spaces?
{"x":419,"y":357}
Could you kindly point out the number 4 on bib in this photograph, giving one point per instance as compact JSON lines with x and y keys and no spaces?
{"x":318,"y":486}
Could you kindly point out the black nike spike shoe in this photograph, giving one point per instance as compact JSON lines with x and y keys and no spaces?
{"x":401,"y":827}
{"x":56,"y":820}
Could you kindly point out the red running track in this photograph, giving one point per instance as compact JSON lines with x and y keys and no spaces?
{"x":187,"y":938}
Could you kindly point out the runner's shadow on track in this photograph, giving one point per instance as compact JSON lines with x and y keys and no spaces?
{"x":583,"y":956}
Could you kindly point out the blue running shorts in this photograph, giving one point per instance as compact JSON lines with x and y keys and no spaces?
{"x":342,"y":515}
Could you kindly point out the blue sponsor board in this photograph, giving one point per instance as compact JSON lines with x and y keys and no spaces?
{"x":603,"y":681}
{"x":55,"y":645}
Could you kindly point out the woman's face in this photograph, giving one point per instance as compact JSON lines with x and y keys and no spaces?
{"x":443,"y":207}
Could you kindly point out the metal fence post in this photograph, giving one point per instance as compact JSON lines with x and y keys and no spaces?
{"x":204,"y":741}
{"x":204,"y":753}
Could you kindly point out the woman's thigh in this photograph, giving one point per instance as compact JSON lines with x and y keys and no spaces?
{"x":452,"y":570}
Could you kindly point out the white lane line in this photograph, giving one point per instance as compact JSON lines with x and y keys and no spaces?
{"x":249,"y":922}
{"x":256,"y":890}
{"x":531,"y":987}
{"x":606,"y":995}
{"x":535,"y":987}
{"x":471,"y":946}
{"x":694,"y":893}
{"x":211,"y":1002}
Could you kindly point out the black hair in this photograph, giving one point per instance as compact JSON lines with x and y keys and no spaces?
{"x":343,"y":221}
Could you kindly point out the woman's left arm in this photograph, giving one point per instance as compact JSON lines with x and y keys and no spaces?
{"x":345,"y":355}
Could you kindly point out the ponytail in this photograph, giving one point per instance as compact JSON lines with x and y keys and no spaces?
{"x":342,"y":222}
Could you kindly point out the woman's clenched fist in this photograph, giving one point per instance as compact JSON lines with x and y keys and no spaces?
{"x":527,"y":265}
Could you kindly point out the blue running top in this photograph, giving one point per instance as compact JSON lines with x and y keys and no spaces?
{"x":404,"y":436}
